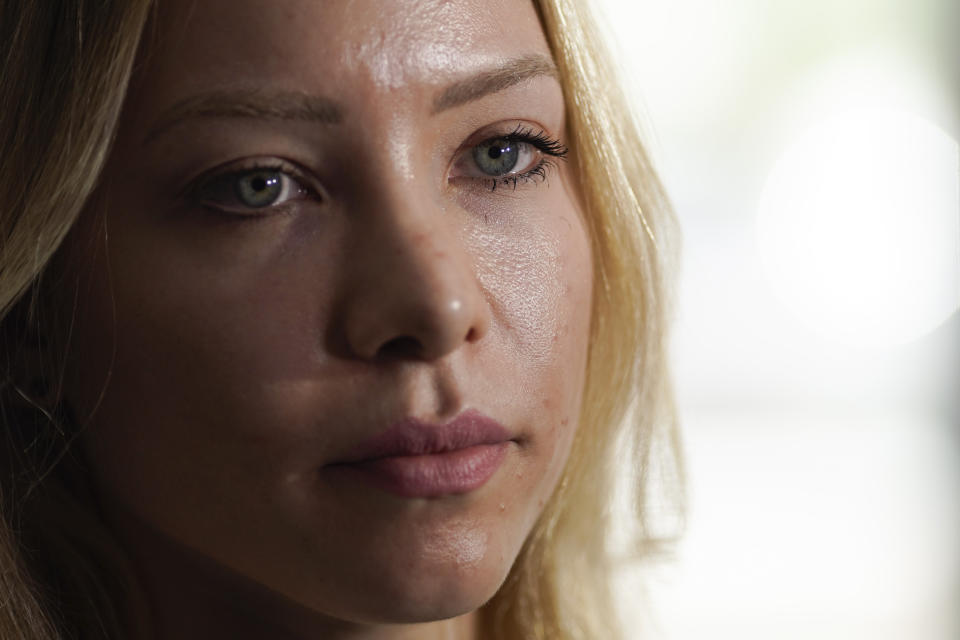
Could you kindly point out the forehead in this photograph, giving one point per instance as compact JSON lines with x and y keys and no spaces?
{"x":348,"y":48}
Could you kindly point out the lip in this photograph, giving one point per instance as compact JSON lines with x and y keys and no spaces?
{"x":416,"y":459}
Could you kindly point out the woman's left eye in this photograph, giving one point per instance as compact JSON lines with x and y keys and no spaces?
{"x":250,"y":191}
{"x":509,"y":159}
{"x":501,"y":157}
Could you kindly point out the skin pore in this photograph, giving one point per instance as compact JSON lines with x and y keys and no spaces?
{"x":225,"y":354}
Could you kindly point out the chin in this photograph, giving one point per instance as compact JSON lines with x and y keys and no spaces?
{"x":423,"y":597}
{"x":412,"y":608}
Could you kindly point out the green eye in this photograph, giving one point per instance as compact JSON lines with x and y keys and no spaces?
{"x":259,"y":189}
{"x":497,"y":157}
{"x":252,"y":191}
{"x":506,"y":159}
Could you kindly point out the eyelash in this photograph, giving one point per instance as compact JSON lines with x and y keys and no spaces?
{"x":550,"y":149}
{"x":198,"y":190}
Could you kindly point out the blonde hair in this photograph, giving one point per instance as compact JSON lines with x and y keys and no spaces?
{"x":560,"y":586}
{"x":64,"y":77}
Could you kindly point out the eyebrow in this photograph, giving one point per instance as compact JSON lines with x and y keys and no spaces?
{"x":243,"y":103}
{"x":493,"y":80}
{"x":306,"y":107}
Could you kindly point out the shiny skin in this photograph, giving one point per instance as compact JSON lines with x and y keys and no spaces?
{"x":220,"y":361}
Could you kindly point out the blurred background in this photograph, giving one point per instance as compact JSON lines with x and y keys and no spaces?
{"x":811,"y":151}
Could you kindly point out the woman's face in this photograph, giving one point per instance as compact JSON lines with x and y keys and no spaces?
{"x":334,"y":237}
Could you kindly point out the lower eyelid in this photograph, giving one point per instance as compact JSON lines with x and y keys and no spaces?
{"x":510,"y":182}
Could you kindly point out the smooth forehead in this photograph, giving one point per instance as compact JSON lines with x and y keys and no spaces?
{"x":347,"y":49}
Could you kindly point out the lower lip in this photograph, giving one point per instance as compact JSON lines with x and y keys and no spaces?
{"x":433,"y":475}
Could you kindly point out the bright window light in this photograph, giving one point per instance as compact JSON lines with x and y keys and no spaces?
{"x":859,"y":227}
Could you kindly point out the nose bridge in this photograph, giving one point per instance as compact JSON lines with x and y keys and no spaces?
{"x":413,"y":290}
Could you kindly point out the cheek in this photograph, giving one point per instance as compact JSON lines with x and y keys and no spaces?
{"x":541,"y":283}
{"x":563,"y":326}
{"x":538,"y":277}
{"x":175,"y":370}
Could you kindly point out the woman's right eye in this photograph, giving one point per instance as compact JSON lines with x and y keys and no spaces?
{"x":251,"y":191}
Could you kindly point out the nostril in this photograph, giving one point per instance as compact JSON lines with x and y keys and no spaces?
{"x":399,"y":348}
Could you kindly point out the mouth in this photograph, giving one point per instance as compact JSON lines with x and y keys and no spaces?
{"x":415,"y":459}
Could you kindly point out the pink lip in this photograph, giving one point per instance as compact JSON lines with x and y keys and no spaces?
{"x":414,"y":459}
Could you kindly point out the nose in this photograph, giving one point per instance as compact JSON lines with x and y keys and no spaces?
{"x":412,"y":290}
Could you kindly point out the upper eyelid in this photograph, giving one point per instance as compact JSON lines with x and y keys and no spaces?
{"x":257,"y":163}
{"x":506,"y":129}
{"x":518,"y":129}
{"x":194,"y":192}
{"x":535,"y":136}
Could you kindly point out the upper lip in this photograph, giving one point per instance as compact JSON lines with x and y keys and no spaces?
{"x":414,"y":437}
